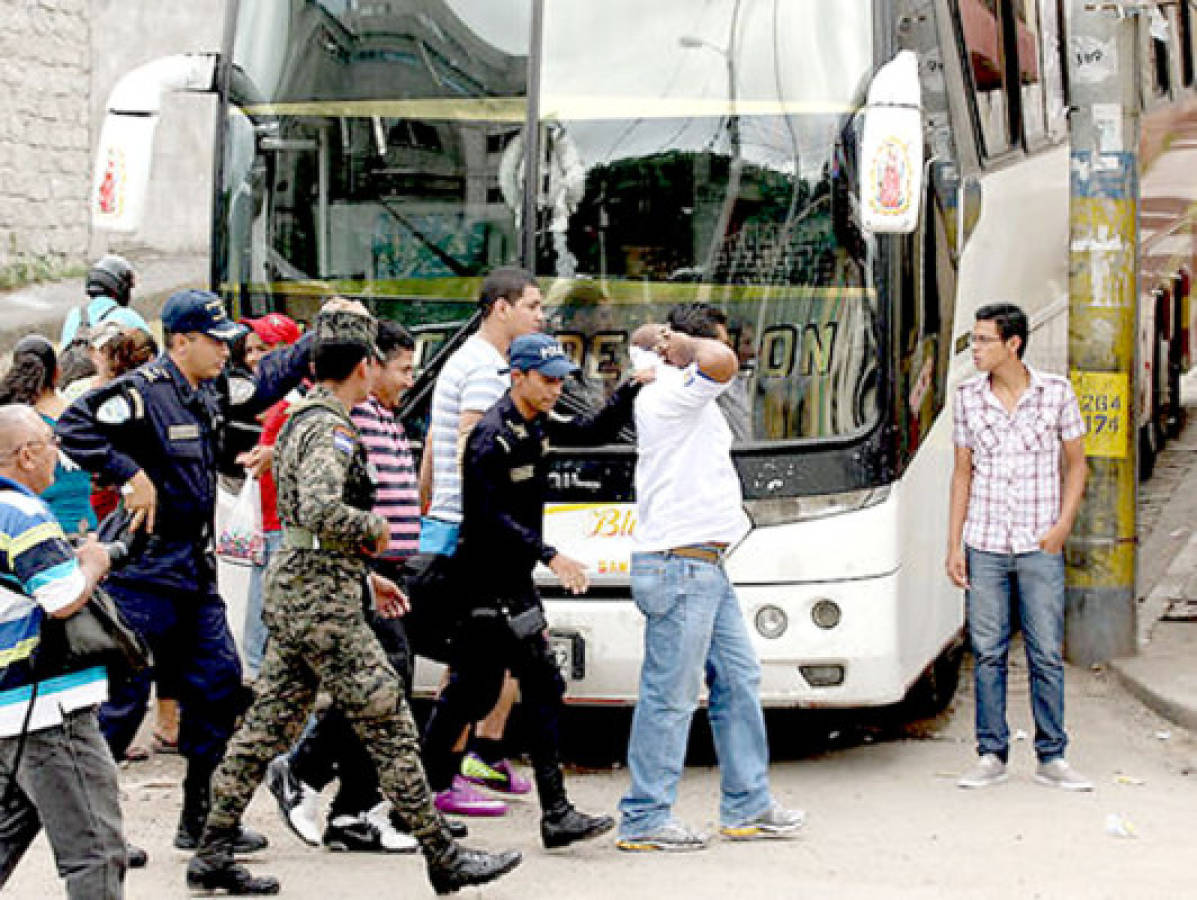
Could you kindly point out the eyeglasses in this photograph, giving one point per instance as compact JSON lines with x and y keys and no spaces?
{"x":984,"y":339}
{"x":51,"y":441}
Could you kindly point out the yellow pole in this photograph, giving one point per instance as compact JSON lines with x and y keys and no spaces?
{"x":1102,"y":340}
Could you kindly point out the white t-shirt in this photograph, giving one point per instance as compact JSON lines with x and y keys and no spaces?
{"x":473,"y":379}
{"x":687,"y":490}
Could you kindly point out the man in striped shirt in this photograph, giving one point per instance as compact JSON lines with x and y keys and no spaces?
{"x":359,"y":818}
{"x":57,"y":771}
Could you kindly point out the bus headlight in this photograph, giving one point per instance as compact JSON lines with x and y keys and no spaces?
{"x":771,"y":622}
{"x":825,"y":613}
{"x":781,"y":510}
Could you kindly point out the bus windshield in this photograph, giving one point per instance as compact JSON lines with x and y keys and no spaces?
{"x":683,"y":152}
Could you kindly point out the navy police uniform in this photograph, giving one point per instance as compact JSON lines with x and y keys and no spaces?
{"x":153,"y":419}
{"x":504,"y":483}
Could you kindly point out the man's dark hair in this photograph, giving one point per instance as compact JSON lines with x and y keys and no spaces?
{"x":393,"y":337}
{"x":506,"y":283}
{"x":1009,"y":320}
{"x":697,"y":319}
{"x":335,"y":361}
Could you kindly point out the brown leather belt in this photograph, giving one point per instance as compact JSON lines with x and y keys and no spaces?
{"x":712,"y":553}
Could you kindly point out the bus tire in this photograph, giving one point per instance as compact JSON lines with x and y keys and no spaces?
{"x":935,"y":689}
{"x":1146,"y":452}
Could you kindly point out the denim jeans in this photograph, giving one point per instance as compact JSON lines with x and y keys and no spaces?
{"x":1037,"y":581}
{"x":254,"y":635}
{"x":66,"y":783}
{"x":693,"y":625}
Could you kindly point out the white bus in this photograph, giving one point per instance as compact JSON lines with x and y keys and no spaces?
{"x":753,"y":154}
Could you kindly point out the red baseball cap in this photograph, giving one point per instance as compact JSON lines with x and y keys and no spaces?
{"x":274,"y":328}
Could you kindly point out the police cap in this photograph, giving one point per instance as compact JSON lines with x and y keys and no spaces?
{"x":199,"y":311}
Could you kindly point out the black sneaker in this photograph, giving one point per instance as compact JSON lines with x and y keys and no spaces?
{"x":465,"y":868}
{"x":569,"y":826}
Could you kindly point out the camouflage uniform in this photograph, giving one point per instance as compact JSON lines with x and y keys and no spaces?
{"x":319,"y":638}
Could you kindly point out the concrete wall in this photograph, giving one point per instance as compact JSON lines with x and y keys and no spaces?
{"x":124,"y":35}
{"x":44,"y":141}
{"x":58,"y":61}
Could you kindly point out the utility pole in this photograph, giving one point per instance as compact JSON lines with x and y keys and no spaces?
{"x":1102,"y":339}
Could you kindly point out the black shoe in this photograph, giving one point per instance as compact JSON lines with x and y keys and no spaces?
{"x":247,"y":840}
{"x":135,"y":857}
{"x":224,"y":874}
{"x":464,"y":868}
{"x":566,"y":827}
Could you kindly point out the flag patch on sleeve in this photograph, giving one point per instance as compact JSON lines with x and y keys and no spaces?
{"x":343,"y":440}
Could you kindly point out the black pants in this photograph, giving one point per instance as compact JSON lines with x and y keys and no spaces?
{"x":484,"y":650}
{"x":332,"y":749}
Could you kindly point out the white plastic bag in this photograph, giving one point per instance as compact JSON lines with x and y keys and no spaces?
{"x":241,"y":540}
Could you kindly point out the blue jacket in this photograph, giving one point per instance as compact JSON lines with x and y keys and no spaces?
{"x":153,"y":419}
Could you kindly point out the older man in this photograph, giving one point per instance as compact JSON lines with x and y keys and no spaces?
{"x":58,"y":772}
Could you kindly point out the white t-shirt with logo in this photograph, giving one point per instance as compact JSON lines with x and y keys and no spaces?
{"x":473,"y":379}
{"x":687,"y":490}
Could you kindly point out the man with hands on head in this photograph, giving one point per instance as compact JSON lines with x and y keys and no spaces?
{"x":689,"y":511}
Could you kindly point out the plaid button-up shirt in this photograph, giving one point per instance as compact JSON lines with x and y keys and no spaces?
{"x":1014,"y":498}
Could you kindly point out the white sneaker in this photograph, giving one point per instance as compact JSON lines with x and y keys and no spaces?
{"x":1058,"y":773}
{"x":298,"y":803}
{"x":392,"y":839}
{"x":989,"y":770}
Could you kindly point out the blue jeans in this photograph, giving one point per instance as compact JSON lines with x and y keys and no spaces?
{"x":1037,"y":580}
{"x":693,"y":623}
{"x":254,"y":635}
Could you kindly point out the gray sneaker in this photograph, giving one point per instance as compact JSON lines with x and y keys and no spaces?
{"x":672,"y":837}
{"x":775,"y":822}
{"x":989,"y":770}
{"x":1058,"y":773}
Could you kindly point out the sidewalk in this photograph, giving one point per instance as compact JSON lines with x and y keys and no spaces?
{"x":1164,"y":673}
{"x":42,"y":307}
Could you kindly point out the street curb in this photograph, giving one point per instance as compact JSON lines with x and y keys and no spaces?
{"x":1176,"y":711}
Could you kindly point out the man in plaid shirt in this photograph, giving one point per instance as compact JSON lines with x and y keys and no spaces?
{"x":1008,"y":522}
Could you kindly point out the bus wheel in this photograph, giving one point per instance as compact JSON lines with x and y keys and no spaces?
{"x":1146,"y":452}
{"x":932,"y":693}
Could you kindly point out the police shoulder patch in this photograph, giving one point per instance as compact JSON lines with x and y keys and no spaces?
{"x":241,"y":389}
{"x":115,"y":411}
{"x":343,"y":440}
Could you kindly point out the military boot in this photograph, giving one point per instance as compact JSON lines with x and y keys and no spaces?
{"x":561,"y":824}
{"x":461,"y":868}
{"x":214,"y":869}
{"x":195,"y":814}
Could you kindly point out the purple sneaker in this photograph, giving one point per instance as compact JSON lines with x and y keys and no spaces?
{"x":502,"y":776}
{"x":461,"y":799}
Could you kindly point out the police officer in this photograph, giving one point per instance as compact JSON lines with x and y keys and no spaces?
{"x":319,"y":638}
{"x":503,"y":491}
{"x":156,"y":431}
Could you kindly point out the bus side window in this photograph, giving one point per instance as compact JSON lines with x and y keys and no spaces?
{"x":985,"y":55}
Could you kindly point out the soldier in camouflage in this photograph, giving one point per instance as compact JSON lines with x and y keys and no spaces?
{"x":319,"y":638}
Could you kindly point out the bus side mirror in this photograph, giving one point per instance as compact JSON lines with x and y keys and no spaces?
{"x":891,"y":150}
{"x":122,"y":169}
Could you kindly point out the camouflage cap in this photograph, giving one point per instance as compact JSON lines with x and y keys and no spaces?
{"x":344,"y":326}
